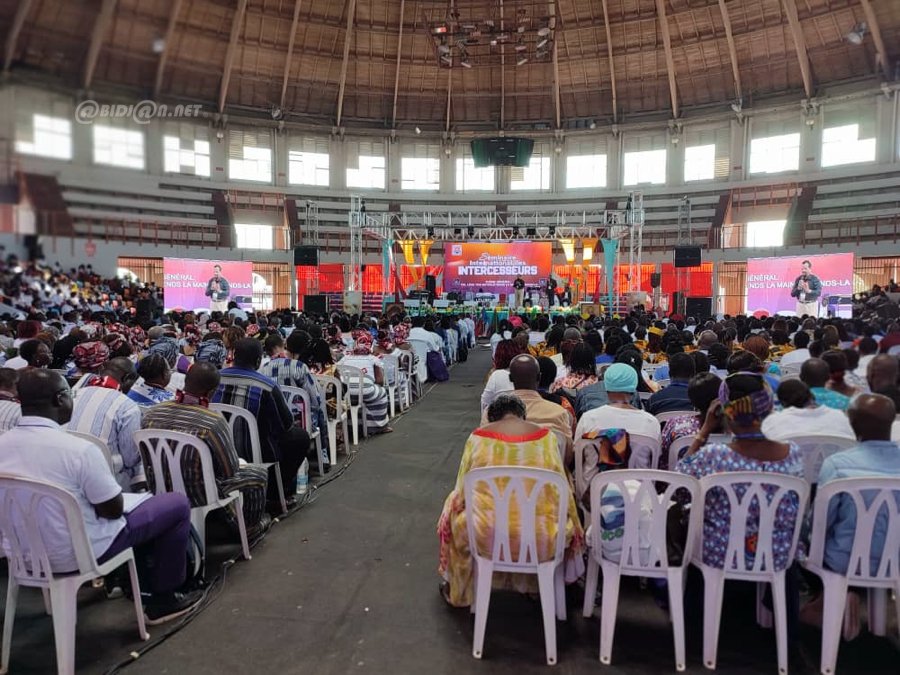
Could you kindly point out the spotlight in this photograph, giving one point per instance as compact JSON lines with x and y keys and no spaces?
{"x":737,"y":107}
{"x":465,"y":63}
{"x":418,"y":131}
{"x":553,"y":230}
{"x":522,"y":61}
{"x":542,"y":43}
{"x":276,"y":112}
{"x":593,"y":124}
{"x":470,"y":231}
{"x":159,"y":46}
{"x":430,"y":232}
{"x":858,"y":33}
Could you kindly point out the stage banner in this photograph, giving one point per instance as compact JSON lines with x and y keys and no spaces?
{"x":770,"y":280}
{"x":186,"y":281}
{"x":471,"y":267}
{"x":610,"y":246}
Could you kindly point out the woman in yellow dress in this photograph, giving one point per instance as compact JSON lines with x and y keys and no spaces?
{"x":507,"y":440}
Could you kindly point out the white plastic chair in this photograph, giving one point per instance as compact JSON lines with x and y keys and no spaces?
{"x":763,"y":567}
{"x":523,"y":486}
{"x":815,"y":448}
{"x":325,"y":383}
{"x":405,"y":361}
{"x":24,"y":507}
{"x":644,"y":451}
{"x":355,"y":381}
{"x":664,"y":417}
{"x":790,"y":370}
{"x":869,"y":496}
{"x":391,"y":366}
{"x":645,"y":395}
{"x":894,"y":351}
{"x":678,"y":447}
{"x":452,"y":344}
{"x":291,"y":395}
{"x":161,"y":448}
{"x":421,"y":348}
{"x":114,"y":466}
{"x":635,"y":561}
{"x":238,"y":417}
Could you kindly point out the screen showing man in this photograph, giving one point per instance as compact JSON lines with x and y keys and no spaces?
{"x":217,"y":290}
{"x":807,"y":289}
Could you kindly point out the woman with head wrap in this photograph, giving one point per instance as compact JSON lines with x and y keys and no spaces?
{"x":374,"y":395}
{"x":211,"y":350}
{"x":744,"y":401}
{"x":118,"y":345}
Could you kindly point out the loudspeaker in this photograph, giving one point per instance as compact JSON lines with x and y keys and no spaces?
{"x":655,"y":279}
{"x":306,"y":256}
{"x":687,"y":256}
{"x":699,"y":308}
{"x":677,"y":303}
{"x":431,"y":284}
{"x":315,"y":304}
{"x":35,"y":250}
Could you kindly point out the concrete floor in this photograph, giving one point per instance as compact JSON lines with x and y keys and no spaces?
{"x":349,"y":584}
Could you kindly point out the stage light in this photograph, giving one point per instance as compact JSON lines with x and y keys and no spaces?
{"x":470,"y":231}
{"x":858,"y":34}
{"x":418,"y":131}
{"x":430,"y":232}
{"x":553,"y":230}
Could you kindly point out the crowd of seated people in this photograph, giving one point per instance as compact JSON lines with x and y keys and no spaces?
{"x":739,"y":390}
{"x":101,"y":357}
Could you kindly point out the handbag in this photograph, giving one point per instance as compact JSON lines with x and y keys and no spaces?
{"x":437,"y":369}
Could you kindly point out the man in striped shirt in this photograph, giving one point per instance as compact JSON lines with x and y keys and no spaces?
{"x":10,"y":410}
{"x":190,"y":413}
{"x":103,"y":409}
{"x":279,"y":438}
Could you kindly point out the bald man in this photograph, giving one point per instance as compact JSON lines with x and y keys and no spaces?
{"x":876,"y":456}
{"x":190,"y":413}
{"x":816,"y":374}
{"x":158,"y":527}
{"x":883,"y":372}
{"x":525,"y":373}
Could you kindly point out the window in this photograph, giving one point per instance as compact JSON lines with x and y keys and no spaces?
{"x":645,"y":166}
{"x":308,"y":162}
{"x":843,"y":145}
{"x":765,"y":233}
{"x":470,"y":179}
{"x":585,"y":171}
{"x":250,"y":155}
{"x":251,"y":235}
{"x":775,"y":153}
{"x":700,"y":162}
{"x":118,"y":146}
{"x":365,"y":165}
{"x":186,"y":150}
{"x":45,"y":136}
{"x":535,"y":176}
{"x":420,"y":167}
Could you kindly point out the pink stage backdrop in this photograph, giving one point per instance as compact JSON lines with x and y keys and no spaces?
{"x":769,"y":280}
{"x":492,"y":267}
{"x":184,"y":282}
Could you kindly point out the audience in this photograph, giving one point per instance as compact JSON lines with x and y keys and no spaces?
{"x":10,"y":408}
{"x":152,"y":387}
{"x":702,"y":390}
{"x":498,"y":381}
{"x":801,"y":415}
{"x":674,"y":397}
{"x":816,"y":373}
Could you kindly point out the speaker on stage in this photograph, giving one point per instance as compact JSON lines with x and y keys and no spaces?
{"x":307,"y":256}
{"x":699,"y":308}
{"x":655,"y":280}
{"x":315,"y":304}
{"x":687,"y":256}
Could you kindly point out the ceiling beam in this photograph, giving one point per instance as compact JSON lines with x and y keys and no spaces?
{"x":167,"y":42}
{"x":670,"y":63}
{"x":101,"y":25}
{"x":397,"y":72}
{"x":612,"y":67}
{"x":556,"y":102}
{"x":236,"y":23}
{"x":790,"y":10}
{"x":348,"y":34}
{"x":732,"y":51}
{"x":881,"y":55}
{"x":449,"y":97}
{"x":502,"y":74}
{"x":12,"y":36}
{"x":290,"y":53}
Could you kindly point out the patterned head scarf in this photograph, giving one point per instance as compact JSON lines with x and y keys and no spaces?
{"x":191,"y":335}
{"x":212,"y":351}
{"x":384,"y":341}
{"x":214,"y":327}
{"x":252,"y":330}
{"x":749,"y":409}
{"x":401,"y":333}
{"x":363,"y":340}
{"x":115,"y":341}
{"x":167,"y":348}
{"x":90,"y":355}
{"x":138,"y":337}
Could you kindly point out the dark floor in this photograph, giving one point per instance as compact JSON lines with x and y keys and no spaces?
{"x":349,"y":584}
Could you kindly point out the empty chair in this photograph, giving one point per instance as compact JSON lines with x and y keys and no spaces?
{"x":339,"y":416}
{"x":354,"y":380}
{"x":421,"y":348}
{"x":644,"y":550}
{"x":508,"y":485}
{"x":874,"y":500}
{"x":23,"y":512}
{"x":391,"y":380}
{"x":758,"y":504}
{"x":243,"y":422}
{"x":815,"y":448}
{"x":162,"y":452}
{"x":301,"y":407}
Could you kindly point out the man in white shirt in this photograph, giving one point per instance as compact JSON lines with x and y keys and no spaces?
{"x":800,"y":354}
{"x":38,"y":448}
{"x":418,"y":332}
{"x":802,"y":417}
{"x":10,"y":410}
{"x":620,"y":381}
{"x":34,"y":353}
{"x":868,"y":348}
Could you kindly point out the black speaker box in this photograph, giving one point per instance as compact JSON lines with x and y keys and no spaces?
{"x":306,"y":255}
{"x":655,"y":279}
{"x":431,"y":284}
{"x":687,"y":256}
{"x":35,"y":250}
{"x":315,"y":304}
{"x":699,"y":308}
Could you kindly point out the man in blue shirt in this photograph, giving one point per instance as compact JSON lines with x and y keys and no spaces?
{"x":816,"y":373}
{"x":675,"y":396}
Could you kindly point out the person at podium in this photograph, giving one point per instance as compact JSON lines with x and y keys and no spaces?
{"x":519,"y":288}
{"x":551,"y":291}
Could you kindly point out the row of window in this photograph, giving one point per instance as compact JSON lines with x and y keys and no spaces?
{"x":250,"y":158}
